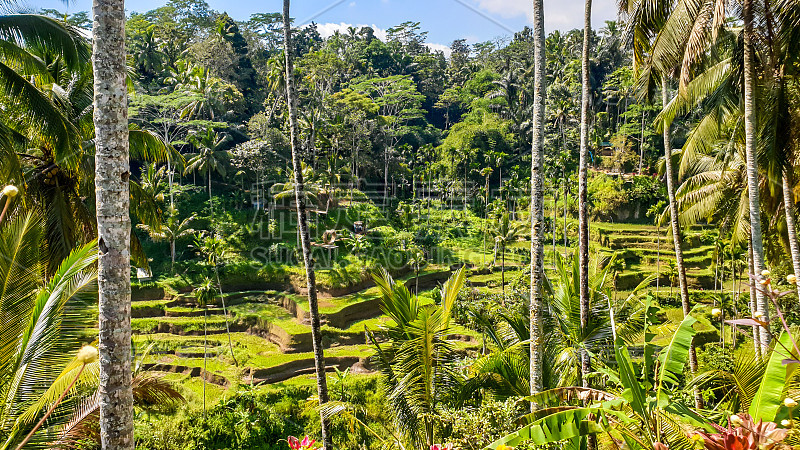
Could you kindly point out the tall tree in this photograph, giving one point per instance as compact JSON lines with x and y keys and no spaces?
{"x":537,"y":199}
{"x":583,"y":207}
{"x":791,"y":223}
{"x":762,"y":302}
{"x":673,"y":219}
{"x":112,"y":172}
{"x":302,"y":223}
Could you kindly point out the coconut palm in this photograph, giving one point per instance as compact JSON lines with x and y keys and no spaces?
{"x":417,"y":261}
{"x":750,"y":138}
{"x":418,"y":361}
{"x":506,"y":232}
{"x":57,"y":177}
{"x":204,"y":294}
{"x":209,"y":94}
{"x":583,"y":206}
{"x":44,"y":318}
{"x":660,"y":33}
{"x":214,"y":249}
{"x":210,"y":156}
{"x":22,"y":70}
{"x":505,"y":371}
{"x":537,"y":204}
{"x":171,"y":230}
{"x":302,"y":220}
{"x":153,"y":181}
{"x":655,"y":212}
{"x":112,"y":187}
{"x":571,"y":337}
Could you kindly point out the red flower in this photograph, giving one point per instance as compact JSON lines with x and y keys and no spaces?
{"x":294,"y":443}
{"x":442,"y":447}
{"x":307,"y":443}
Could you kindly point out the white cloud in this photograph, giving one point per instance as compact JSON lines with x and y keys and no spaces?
{"x":440,"y":47}
{"x":558,"y":14}
{"x":507,"y":8}
{"x":326,"y":30}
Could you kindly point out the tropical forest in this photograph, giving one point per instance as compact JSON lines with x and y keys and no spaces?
{"x":261,"y":233}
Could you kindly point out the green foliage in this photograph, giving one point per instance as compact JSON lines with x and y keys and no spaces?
{"x":418,"y":364}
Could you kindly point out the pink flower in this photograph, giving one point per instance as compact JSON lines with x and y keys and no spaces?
{"x":442,"y":447}
{"x":306,"y":444}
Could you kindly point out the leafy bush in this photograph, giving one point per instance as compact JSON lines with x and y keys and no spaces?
{"x":606,"y":195}
{"x":246,"y":420}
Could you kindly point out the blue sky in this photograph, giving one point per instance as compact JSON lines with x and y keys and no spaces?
{"x":445,"y":20}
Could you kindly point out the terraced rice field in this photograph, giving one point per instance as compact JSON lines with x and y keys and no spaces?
{"x":271,"y":337}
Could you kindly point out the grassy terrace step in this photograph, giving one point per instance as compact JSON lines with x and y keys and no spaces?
{"x":624,"y":229}
{"x":182,"y":325}
{"x":249,"y":358}
{"x":700,"y":257}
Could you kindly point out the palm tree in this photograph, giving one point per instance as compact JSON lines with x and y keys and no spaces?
{"x":208,"y":93}
{"x":417,"y":261}
{"x":655,"y":212}
{"x":791,"y":223}
{"x":750,"y":129}
{"x":23,"y":37}
{"x":583,"y":207}
{"x":537,"y":204}
{"x":302,"y":220}
{"x":205,"y":293}
{"x":210,"y":157}
{"x":59,"y":177}
{"x":44,"y":317}
{"x":147,"y":55}
{"x":112,"y":172}
{"x":418,"y":364}
{"x":214,"y":249}
{"x":485,"y":172}
{"x":170,"y":231}
{"x":505,"y":371}
{"x":504,"y":233}
{"x":655,"y":32}
{"x":152,"y":181}
{"x":570,"y":338}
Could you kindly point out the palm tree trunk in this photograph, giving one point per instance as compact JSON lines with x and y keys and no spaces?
{"x":555,"y":220}
{"x":537,"y":201}
{"x":791,"y":226}
{"x":316,"y":335}
{"x":503,"y":270}
{"x":762,"y":303}
{"x":172,"y":255}
{"x":753,"y":290}
{"x":641,"y":146}
{"x":205,"y":355}
{"x":566,"y":199}
{"x":112,"y":171}
{"x":658,"y":259}
{"x":583,"y":208}
{"x":676,"y":232}
{"x":225,"y":313}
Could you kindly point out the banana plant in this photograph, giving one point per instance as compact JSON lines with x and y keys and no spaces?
{"x":642,"y":412}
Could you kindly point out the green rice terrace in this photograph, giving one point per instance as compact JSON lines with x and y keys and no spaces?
{"x":270,"y":328}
